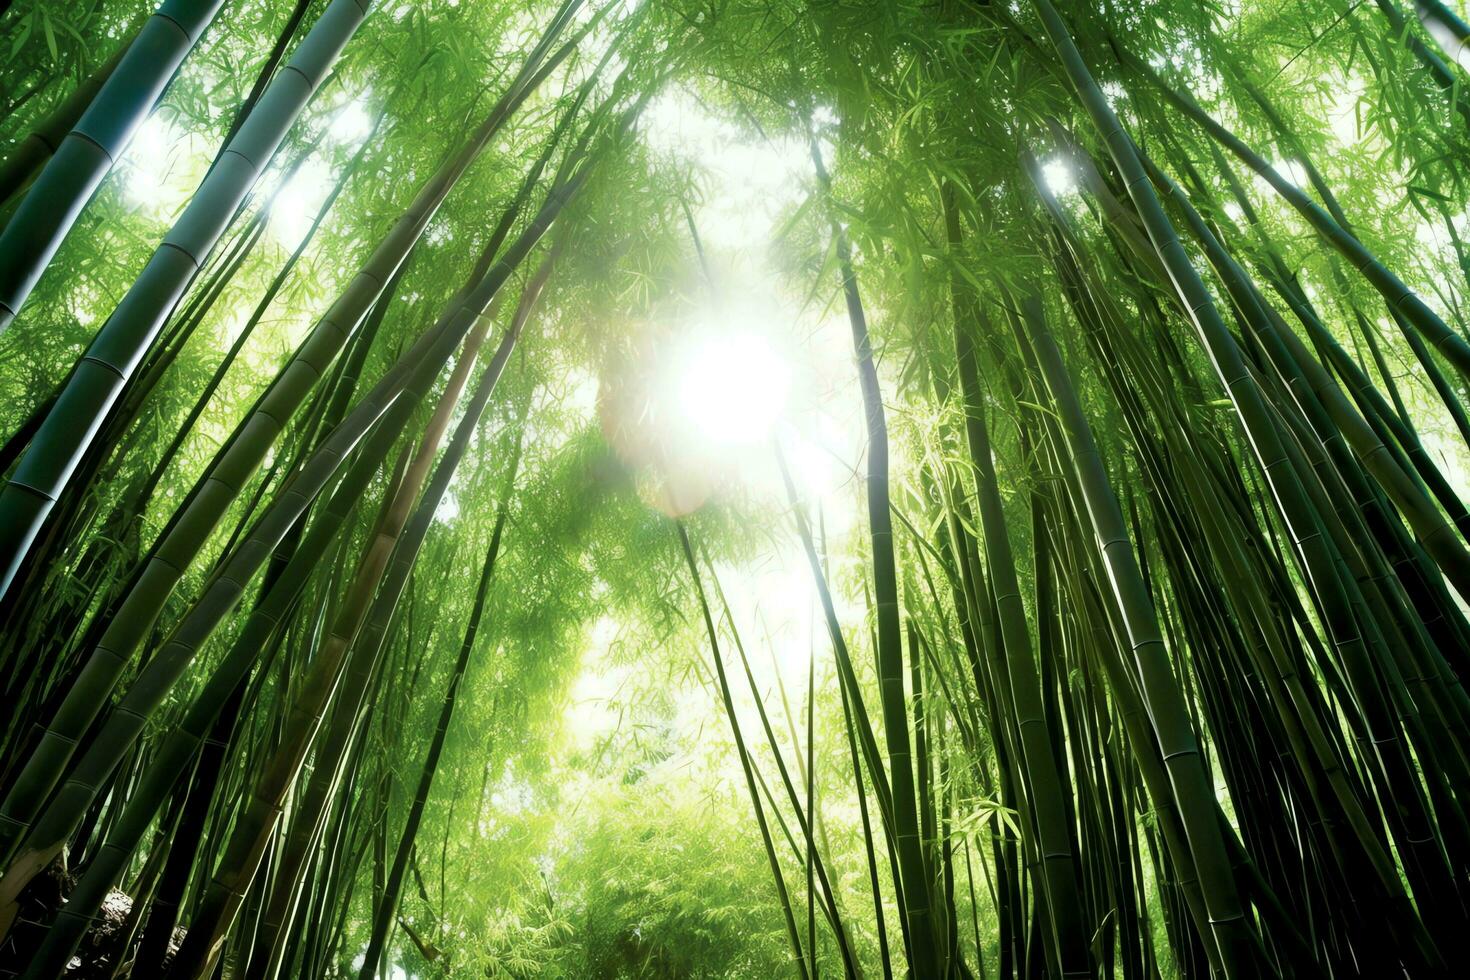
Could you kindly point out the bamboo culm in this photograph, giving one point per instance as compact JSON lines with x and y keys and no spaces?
{"x":88,"y":152}
{"x":420,"y":363}
{"x":225,"y":478}
{"x":101,"y":374}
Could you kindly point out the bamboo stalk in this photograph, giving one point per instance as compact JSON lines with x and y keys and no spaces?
{"x":102,"y":133}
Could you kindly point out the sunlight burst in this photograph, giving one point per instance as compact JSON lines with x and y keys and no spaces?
{"x":733,"y":388}
{"x":1060,"y":176}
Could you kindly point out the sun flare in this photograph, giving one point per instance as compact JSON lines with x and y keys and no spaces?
{"x":732,"y":388}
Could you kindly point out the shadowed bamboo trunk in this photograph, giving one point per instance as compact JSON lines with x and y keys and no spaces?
{"x":31,"y":153}
{"x":1337,"y":592}
{"x":1436,"y":534}
{"x":1192,"y":790}
{"x":1046,"y":785}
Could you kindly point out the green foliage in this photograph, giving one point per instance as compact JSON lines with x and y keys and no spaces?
{"x":1202,"y":489}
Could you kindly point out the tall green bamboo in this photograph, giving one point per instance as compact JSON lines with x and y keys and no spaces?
{"x":132,"y":617}
{"x":1336,"y":592}
{"x":1320,"y":759}
{"x":349,"y":647}
{"x":1046,"y":785}
{"x":1192,"y":790}
{"x":806,"y":816}
{"x":100,"y":375}
{"x":778,"y":879}
{"x":1436,"y":534}
{"x":182,"y":742}
{"x":312,"y":808}
{"x":122,"y":102}
{"x":388,"y":903}
{"x":918,"y":907}
{"x":386,"y":406}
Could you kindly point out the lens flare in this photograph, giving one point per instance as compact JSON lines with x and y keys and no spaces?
{"x":732,"y":388}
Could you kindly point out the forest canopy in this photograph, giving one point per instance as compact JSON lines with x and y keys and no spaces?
{"x":716,"y":488}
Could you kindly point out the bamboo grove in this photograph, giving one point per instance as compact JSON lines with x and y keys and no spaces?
{"x":714,"y":488}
